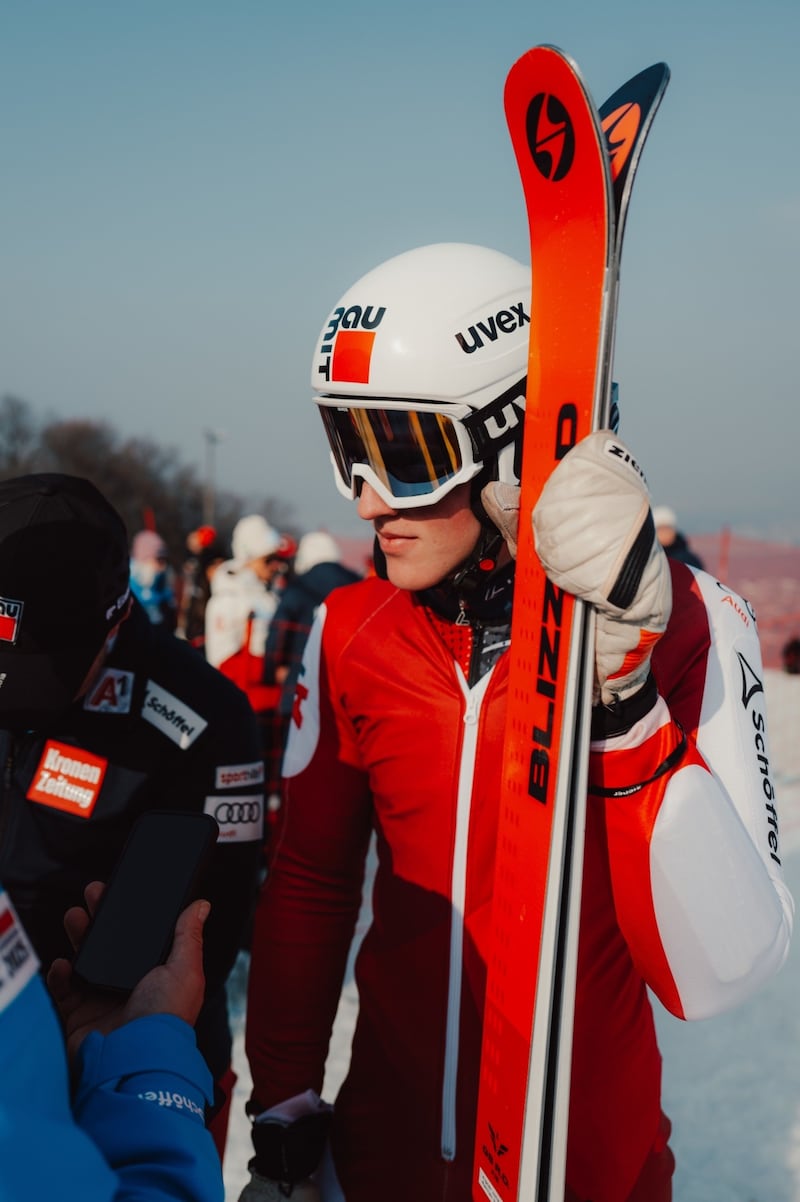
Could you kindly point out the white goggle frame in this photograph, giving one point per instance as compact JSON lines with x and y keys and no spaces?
{"x":411,"y":453}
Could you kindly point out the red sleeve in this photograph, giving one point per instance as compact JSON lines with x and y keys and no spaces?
{"x":307,"y":910}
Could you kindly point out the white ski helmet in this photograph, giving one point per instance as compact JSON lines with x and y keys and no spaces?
{"x":253,"y":538}
{"x":419,"y":373}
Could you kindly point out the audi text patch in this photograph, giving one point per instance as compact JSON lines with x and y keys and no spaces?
{"x":240,"y":819}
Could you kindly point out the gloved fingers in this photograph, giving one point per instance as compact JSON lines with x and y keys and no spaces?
{"x":501,"y":502}
{"x":591,"y":522}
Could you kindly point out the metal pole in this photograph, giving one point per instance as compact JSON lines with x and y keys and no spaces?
{"x":213,"y":438}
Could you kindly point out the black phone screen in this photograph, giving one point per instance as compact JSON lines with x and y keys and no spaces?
{"x":158,"y":873}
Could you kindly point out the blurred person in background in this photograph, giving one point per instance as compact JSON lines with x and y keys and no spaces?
{"x":205,"y":553}
{"x":244,"y":597}
{"x":790,"y":656}
{"x":675,"y":544}
{"x":245,"y":591}
{"x":316,"y":572}
{"x":152,"y":579}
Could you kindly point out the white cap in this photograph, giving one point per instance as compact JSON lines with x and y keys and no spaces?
{"x":253,"y":538}
{"x":316,"y":547}
{"x":664,"y":516}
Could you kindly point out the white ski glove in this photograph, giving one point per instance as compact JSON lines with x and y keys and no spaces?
{"x":595,"y":538}
{"x":289,"y":1140}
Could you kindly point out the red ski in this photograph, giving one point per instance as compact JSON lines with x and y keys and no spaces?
{"x":576,"y":217}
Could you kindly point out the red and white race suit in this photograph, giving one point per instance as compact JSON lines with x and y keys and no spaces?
{"x":682,"y":889}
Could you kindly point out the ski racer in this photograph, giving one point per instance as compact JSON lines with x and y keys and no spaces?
{"x":102,"y":716}
{"x":419,"y":377}
{"x":135,"y":1128}
{"x":316,"y":570}
{"x":243,"y":598}
{"x":673,"y":540}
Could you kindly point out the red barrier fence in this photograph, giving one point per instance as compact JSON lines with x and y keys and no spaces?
{"x":766,"y":574}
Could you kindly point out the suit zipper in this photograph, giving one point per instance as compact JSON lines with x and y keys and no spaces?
{"x":473,"y":698}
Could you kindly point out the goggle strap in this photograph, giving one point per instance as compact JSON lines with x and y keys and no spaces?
{"x":497,"y":424}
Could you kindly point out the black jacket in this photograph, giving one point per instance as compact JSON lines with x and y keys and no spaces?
{"x":679,"y":549}
{"x":291,"y":622}
{"x":159,"y":729}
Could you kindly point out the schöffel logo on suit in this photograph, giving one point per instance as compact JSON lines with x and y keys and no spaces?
{"x":171,"y":716}
{"x":240,"y":819}
{"x":233,"y":776}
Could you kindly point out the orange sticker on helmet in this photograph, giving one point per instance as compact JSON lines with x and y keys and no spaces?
{"x":351,"y":356}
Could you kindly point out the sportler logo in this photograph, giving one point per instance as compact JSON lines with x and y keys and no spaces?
{"x":68,"y":778}
{"x":551,"y":137}
{"x":232,"y":776}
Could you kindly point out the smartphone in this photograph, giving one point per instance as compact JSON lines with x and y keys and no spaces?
{"x":159,"y":872}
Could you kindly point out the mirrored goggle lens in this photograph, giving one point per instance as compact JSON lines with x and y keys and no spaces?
{"x":412,"y":453}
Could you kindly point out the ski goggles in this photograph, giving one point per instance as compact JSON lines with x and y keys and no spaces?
{"x":411,"y":457}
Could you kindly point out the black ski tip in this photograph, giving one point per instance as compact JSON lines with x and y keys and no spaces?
{"x":642,"y":89}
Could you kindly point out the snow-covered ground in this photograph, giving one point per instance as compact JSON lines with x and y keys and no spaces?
{"x":731,"y":1084}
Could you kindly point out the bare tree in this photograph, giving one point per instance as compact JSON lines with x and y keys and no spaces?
{"x":146,"y":482}
{"x":19,"y":437}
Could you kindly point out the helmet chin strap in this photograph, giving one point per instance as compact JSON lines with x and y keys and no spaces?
{"x":478,"y":590}
{"x":478,"y":586}
{"x":473,"y":574}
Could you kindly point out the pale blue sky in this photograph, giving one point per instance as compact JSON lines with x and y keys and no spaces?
{"x":189,"y":186}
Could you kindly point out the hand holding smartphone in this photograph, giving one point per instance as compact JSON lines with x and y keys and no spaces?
{"x":159,"y":872}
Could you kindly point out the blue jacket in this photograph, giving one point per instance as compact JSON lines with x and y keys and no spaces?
{"x":136,"y":1130}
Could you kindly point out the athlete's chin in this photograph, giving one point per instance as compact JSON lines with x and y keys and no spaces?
{"x":404,"y":573}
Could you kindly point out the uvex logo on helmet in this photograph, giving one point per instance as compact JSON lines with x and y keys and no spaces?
{"x":346,"y":348}
{"x":551,"y":137}
{"x":498,"y":423}
{"x":489,"y":329}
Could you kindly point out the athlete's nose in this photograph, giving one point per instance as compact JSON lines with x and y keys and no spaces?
{"x":369,"y":505}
